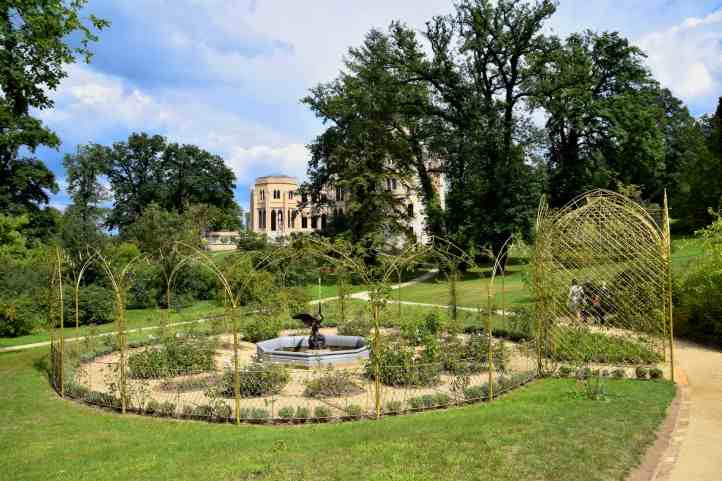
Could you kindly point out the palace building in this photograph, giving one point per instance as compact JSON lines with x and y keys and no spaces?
{"x":274,"y":206}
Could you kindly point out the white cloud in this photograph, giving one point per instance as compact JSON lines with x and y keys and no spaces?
{"x":687,"y":58}
{"x":258,"y":160}
{"x":90,"y":104}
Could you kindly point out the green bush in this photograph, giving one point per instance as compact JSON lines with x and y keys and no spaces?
{"x":393,"y":407}
{"x":202,"y":411}
{"x":619,"y":374}
{"x":477,"y":393}
{"x":257,"y":329}
{"x":256,"y":379}
{"x":354,"y":411}
{"x":152,"y":407}
{"x":331,"y":384}
{"x":287,"y":412}
{"x":175,"y":356}
{"x":96,"y":305}
{"x":641,"y":372}
{"x":222,"y":411}
{"x":166,"y":409}
{"x":398,"y":365}
{"x":565,"y":371}
{"x":428,"y":401}
{"x":358,"y":327}
{"x":698,"y":291}
{"x":656,"y":373}
{"x":415,"y":331}
{"x":321,"y":413}
{"x":18,"y":316}
{"x":302,"y":412}
{"x":584,"y":373}
{"x":573,"y":345}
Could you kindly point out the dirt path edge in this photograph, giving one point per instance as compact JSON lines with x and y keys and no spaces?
{"x":659,"y":459}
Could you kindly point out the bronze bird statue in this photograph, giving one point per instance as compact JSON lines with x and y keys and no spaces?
{"x":315,"y":340}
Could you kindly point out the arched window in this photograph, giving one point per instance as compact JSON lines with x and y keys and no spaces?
{"x":273,"y":220}
{"x":323,"y":221}
{"x":410,"y":210}
{"x":280,"y":219}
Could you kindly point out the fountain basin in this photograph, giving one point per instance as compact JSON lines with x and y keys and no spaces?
{"x":294,"y":350}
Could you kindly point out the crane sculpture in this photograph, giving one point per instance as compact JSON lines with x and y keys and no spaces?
{"x":316,"y":340}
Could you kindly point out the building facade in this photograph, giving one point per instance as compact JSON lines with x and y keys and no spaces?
{"x":274,"y":206}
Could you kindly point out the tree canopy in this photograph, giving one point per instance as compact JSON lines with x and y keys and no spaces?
{"x":34,"y":51}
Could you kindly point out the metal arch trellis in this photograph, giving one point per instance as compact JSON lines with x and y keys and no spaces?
{"x":601,"y":277}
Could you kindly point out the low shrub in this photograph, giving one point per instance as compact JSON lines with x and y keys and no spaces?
{"x":398,"y":365}
{"x":573,"y":345}
{"x":354,"y":411}
{"x":256,"y":379}
{"x":222,"y":411}
{"x":175,"y":356}
{"x":428,"y":401}
{"x":74,"y":390}
{"x":287,"y":412}
{"x":166,"y":409}
{"x":477,"y":393}
{"x":656,"y":373}
{"x":152,"y":407}
{"x":321,"y":413}
{"x":331,"y":384}
{"x":584,"y":373}
{"x":188,"y":384}
{"x":393,"y":407}
{"x":619,"y":373}
{"x":641,"y":372}
{"x":302,"y":413}
{"x":415,"y":331}
{"x":565,"y":371}
{"x":357,"y":327}
{"x":102,"y":399}
{"x":257,"y":329}
{"x":202,"y":411}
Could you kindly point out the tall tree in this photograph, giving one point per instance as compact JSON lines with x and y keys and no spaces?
{"x":83,"y":219}
{"x":34,"y":50}
{"x":148,"y":169}
{"x":486,"y":63}
{"x":376,"y":137}
{"x":602,"y":117}
{"x":698,"y":193}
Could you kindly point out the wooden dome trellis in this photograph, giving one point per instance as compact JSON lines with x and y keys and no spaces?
{"x":618,"y":256}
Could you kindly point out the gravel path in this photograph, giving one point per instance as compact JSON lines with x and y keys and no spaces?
{"x":700,"y":453}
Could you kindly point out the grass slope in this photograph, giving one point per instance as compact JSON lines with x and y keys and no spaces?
{"x":540,"y":432}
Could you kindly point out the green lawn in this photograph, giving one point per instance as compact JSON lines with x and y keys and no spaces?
{"x":136,"y":318}
{"x":542,"y":431}
{"x":472,"y":289}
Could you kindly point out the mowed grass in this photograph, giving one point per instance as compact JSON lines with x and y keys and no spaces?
{"x":472,"y":289}
{"x":543,"y":431}
{"x":135,"y":319}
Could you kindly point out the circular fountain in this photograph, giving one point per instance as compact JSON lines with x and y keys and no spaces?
{"x":295,"y":350}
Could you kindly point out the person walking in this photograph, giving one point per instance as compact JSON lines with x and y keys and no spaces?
{"x":576,"y":298}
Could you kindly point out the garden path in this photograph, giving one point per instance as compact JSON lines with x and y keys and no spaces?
{"x":699,"y":457}
{"x":22,"y":347}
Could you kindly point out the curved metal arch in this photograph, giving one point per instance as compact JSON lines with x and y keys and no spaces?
{"x":581,"y":203}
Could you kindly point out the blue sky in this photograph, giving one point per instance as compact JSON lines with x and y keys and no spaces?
{"x":228,"y":75}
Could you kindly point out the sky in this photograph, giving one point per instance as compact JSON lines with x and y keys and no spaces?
{"x":228,"y":75}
